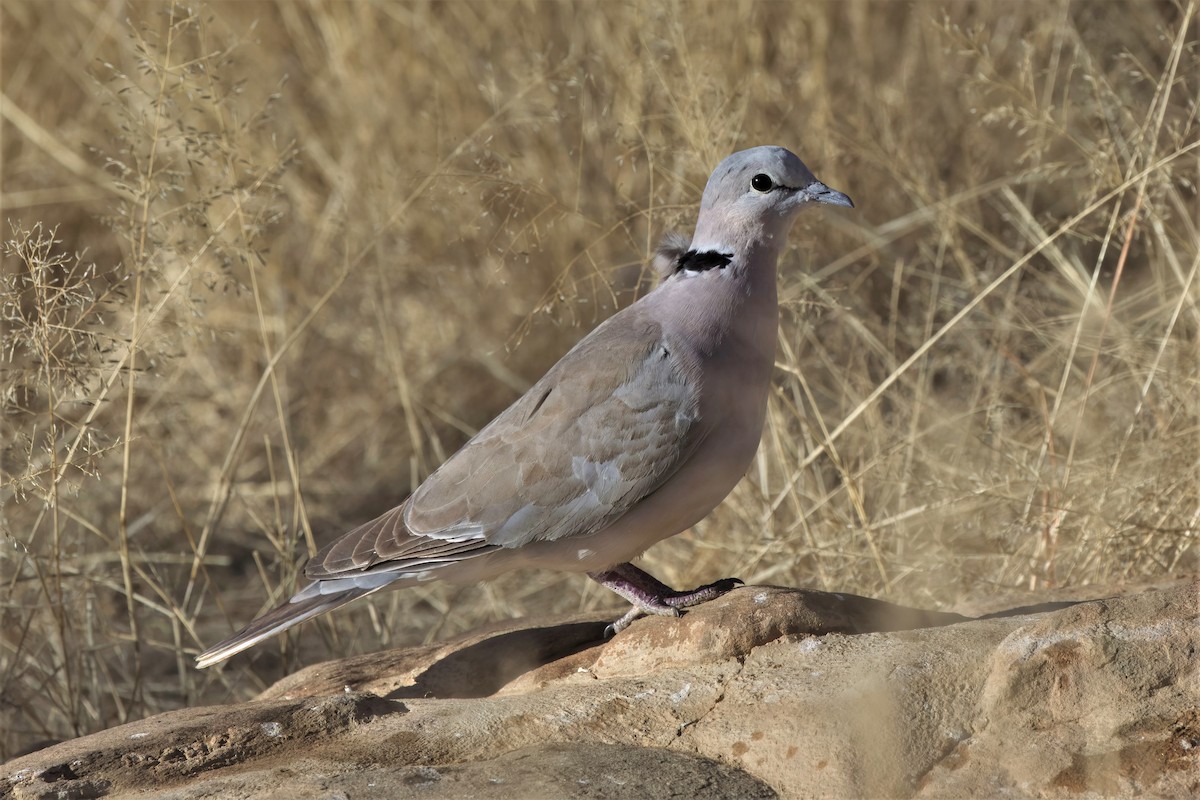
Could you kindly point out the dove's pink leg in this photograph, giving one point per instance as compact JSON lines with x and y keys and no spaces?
{"x":651,"y":596}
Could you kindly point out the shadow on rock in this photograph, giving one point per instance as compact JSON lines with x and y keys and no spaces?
{"x":483,"y":668}
{"x":1036,"y":608}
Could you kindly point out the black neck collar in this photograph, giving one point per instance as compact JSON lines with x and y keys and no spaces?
{"x":693,"y":261}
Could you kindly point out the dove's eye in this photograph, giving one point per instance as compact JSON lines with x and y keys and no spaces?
{"x":761,"y":183}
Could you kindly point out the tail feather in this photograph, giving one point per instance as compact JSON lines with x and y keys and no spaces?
{"x":279,"y":619}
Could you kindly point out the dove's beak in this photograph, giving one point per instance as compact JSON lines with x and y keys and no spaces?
{"x":817,"y":192}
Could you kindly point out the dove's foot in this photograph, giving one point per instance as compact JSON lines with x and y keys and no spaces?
{"x":651,"y":596}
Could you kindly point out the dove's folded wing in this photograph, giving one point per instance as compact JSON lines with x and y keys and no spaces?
{"x":606,"y":426}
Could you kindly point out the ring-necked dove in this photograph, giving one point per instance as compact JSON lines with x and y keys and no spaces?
{"x":634,"y":435}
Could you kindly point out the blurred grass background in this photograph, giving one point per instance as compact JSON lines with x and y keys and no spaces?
{"x":268,"y":263}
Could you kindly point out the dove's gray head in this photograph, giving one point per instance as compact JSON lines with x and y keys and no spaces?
{"x":752,"y":197}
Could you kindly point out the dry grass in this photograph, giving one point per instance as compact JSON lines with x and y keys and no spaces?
{"x":268,"y":263}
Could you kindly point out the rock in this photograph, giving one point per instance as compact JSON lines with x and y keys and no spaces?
{"x":765,"y":691}
{"x":1103,"y":696}
{"x":548,"y":772}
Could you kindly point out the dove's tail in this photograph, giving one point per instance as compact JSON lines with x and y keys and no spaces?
{"x":305,"y":605}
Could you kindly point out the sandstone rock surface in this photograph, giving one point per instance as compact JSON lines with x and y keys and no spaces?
{"x":766,"y":692}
